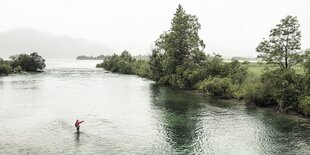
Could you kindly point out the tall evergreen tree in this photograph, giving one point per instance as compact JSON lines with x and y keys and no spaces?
{"x":181,"y":43}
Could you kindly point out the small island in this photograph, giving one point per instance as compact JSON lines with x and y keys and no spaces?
{"x":85,"y":57}
{"x":22,"y":63}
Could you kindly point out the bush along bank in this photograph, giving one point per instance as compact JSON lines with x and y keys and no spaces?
{"x":22,"y":63}
{"x":178,"y":60}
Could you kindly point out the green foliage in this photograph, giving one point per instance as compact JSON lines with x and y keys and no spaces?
{"x":142,"y":68}
{"x":189,"y":74}
{"x":257,"y":94}
{"x":176,"y":48}
{"x":213,"y":66}
{"x":29,"y":63}
{"x":285,"y":86}
{"x":178,"y":60}
{"x":120,"y":64}
{"x":99,"y":65}
{"x":5,"y":69}
{"x":236,"y":71}
{"x":252,"y":93}
{"x":156,"y":65}
{"x":304,"y":105}
{"x":219,"y":87}
{"x":245,"y":62}
{"x":22,"y":62}
{"x":17,"y":69}
{"x":84,"y":57}
{"x":115,"y":63}
{"x":126,"y":64}
{"x":306,"y":63}
{"x":283,"y":45}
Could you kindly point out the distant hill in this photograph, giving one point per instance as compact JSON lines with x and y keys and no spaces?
{"x":26,"y":40}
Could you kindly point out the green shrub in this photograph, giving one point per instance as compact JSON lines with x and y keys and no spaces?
{"x":214,"y":66}
{"x":29,"y":63}
{"x":285,"y":86}
{"x":99,"y":65}
{"x":236,"y":71}
{"x":17,"y":69}
{"x":120,"y":64}
{"x":218,"y":87}
{"x":126,"y":64}
{"x":245,"y":62}
{"x":142,"y":68}
{"x":5,"y":69}
{"x":124,"y":67}
{"x":256,"y":93}
{"x":186,"y":76}
{"x":304,"y":105}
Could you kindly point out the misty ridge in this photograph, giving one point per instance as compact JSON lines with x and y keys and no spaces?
{"x":25,"y":40}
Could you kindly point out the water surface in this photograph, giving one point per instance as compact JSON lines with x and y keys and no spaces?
{"x":125,"y":114}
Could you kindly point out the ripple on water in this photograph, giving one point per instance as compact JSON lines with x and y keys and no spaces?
{"x":128,"y":115}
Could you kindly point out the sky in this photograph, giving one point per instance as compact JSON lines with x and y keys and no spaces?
{"x":228,"y":27}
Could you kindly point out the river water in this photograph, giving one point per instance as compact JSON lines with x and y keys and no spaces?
{"x":125,"y":114}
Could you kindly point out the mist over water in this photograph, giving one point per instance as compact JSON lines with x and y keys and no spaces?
{"x":125,"y":114}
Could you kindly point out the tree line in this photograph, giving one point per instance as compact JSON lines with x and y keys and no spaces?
{"x":85,"y":57}
{"x":125,"y":63}
{"x":22,"y":63}
{"x":178,"y":60}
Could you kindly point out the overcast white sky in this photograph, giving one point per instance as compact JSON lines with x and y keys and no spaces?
{"x":229,"y":27}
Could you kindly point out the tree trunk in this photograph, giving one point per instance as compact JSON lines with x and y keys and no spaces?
{"x":286,"y":64}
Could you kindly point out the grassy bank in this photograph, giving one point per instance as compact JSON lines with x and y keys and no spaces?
{"x":257,"y":68}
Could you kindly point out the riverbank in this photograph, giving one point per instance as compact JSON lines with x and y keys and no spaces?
{"x":258,"y":83}
{"x":301,"y":120}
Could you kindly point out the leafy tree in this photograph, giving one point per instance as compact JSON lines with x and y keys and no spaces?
{"x":283,"y":45}
{"x":22,"y":62}
{"x":30,"y":63}
{"x":304,"y":105}
{"x":236,"y":71}
{"x":213,"y":66}
{"x":126,"y":64}
{"x":5,"y":67}
{"x":142,"y":68}
{"x":126,"y":56}
{"x":306,"y":63}
{"x":178,"y":53}
{"x":180,"y":43}
{"x":156,"y":65}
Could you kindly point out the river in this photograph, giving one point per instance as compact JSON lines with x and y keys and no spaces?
{"x":125,"y":114}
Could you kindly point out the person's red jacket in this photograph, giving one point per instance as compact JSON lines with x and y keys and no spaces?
{"x":77,"y":123}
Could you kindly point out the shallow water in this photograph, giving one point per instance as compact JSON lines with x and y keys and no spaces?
{"x":125,"y":114}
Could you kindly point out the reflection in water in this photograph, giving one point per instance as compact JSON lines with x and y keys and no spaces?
{"x":179,"y":115}
{"x":77,"y":138}
{"x":282,"y":135}
{"x":194,"y":124}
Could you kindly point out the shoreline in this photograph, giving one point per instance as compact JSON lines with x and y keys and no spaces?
{"x":292,"y":115}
